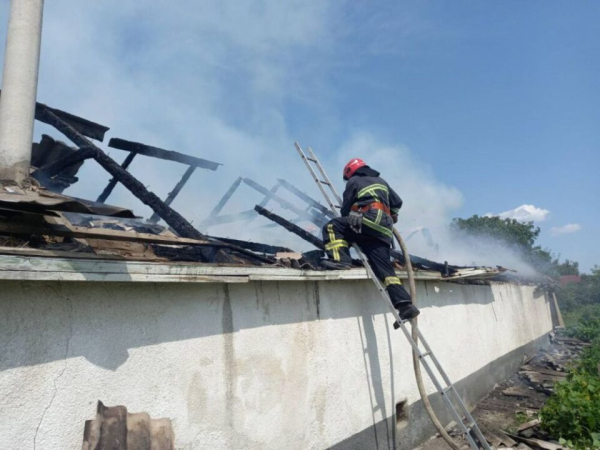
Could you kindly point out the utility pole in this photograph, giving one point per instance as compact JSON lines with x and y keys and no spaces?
{"x":19,"y":89}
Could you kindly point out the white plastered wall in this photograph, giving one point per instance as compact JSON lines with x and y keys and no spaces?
{"x":258,"y":365}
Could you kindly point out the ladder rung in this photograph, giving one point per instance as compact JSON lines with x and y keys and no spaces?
{"x":467,"y":424}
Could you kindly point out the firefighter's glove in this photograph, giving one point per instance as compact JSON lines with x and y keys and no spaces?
{"x":355,"y":221}
{"x":395,"y":218}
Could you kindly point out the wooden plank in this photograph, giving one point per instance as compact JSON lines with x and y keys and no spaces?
{"x":23,"y":228}
{"x":544,"y":371}
{"x":492,"y":438}
{"x":538,"y":443}
{"x":516,"y":392}
{"x":26,"y":251}
{"x":530,"y":424}
{"x":537,"y":377}
{"x":506,"y":439}
{"x":522,"y":446}
{"x":156,"y":152}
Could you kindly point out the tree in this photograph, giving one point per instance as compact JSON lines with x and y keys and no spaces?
{"x":585,"y":293}
{"x":567,"y":268}
{"x":521,"y":236}
{"x":517,"y":236}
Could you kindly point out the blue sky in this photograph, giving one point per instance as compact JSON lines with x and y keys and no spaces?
{"x":466,"y":107}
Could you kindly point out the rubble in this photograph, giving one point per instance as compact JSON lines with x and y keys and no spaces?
{"x":525,"y":393}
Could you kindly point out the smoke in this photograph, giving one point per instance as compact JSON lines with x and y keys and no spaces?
{"x":429,"y":207}
{"x":217,"y":82}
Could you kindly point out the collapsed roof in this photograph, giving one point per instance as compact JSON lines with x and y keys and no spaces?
{"x":41,"y":221}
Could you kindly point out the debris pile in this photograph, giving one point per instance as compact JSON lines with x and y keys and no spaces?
{"x":523,"y":395}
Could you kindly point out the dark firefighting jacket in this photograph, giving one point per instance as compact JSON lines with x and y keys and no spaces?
{"x":365,"y":187}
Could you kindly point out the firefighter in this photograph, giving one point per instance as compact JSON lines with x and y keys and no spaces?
{"x":369,"y":210}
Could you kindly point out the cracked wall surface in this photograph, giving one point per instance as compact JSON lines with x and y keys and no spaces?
{"x":259,"y":365}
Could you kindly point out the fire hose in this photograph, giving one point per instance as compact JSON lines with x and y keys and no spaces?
{"x":416,"y":362}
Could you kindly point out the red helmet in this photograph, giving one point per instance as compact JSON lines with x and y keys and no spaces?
{"x":353,"y":165}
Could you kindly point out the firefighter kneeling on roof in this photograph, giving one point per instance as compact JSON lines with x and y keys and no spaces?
{"x":369,"y":211}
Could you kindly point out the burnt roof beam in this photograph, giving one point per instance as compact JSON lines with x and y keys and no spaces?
{"x":178,"y":187}
{"x":55,"y":167}
{"x":290,"y":227}
{"x":113,"y":181}
{"x":311,"y":217}
{"x":217,"y":209}
{"x":160,"y":153}
{"x":86,"y":127}
{"x":308,"y":199}
{"x":169,"y":215}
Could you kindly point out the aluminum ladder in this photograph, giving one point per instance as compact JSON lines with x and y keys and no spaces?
{"x":456,"y":406}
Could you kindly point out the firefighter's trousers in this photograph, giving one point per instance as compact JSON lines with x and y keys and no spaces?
{"x":338,"y":236}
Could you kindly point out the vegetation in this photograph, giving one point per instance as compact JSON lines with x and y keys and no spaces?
{"x":517,"y":236}
{"x":585,"y":294}
{"x":588,"y":326}
{"x":572,"y":413}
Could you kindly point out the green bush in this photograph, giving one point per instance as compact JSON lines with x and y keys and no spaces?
{"x":575,"y":316}
{"x":573,"y":412}
{"x":587,"y":329}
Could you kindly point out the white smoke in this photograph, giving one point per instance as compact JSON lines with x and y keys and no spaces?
{"x":429,"y":207}
{"x":215,"y":81}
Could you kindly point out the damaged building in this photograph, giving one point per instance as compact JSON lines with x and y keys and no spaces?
{"x":223,"y":342}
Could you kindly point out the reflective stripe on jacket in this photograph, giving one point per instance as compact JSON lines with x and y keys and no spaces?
{"x":366,"y":187}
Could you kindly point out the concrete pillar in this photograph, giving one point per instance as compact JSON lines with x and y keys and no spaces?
{"x":19,"y":89}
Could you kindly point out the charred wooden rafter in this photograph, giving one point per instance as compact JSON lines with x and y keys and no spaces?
{"x":173,"y":218}
{"x":229,"y":218}
{"x":86,"y":127}
{"x":113,"y":181}
{"x":315,"y":212}
{"x":213,"y":216}
{"x":290,"y":227}
{"x":160,"y":153}
{"x":255,"y":246}
{"x":54,"y":168}
{"x":306,"y":198}
{"x":170,"y":216}
{"x":311,"y":217}
{"x":178,"y":187}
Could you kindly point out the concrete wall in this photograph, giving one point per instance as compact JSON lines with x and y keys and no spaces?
{"x":258,"y":365}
